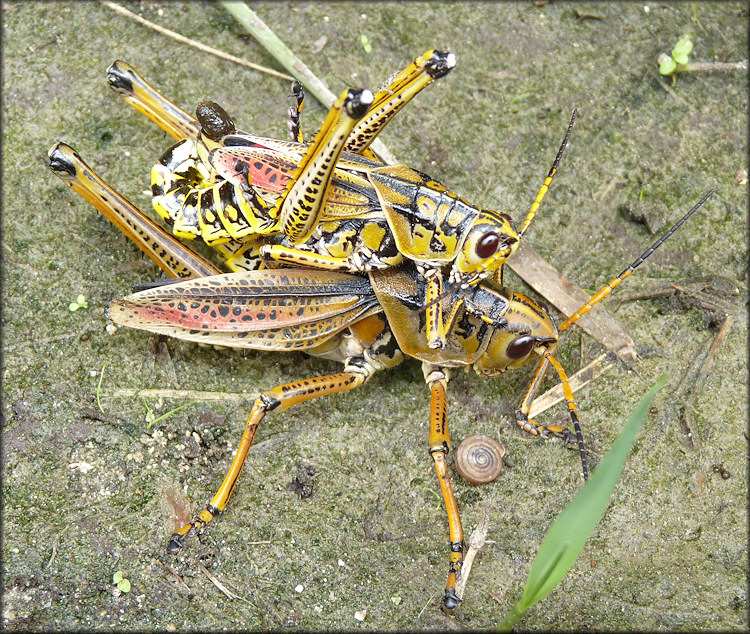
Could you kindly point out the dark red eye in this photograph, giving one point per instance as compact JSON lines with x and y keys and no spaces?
{"x":520,"y":347}
{"x":488,"y":244}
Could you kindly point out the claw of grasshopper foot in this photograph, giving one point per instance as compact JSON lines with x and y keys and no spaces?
{"x":175,"y":544}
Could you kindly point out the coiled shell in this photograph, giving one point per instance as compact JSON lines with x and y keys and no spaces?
{"x":479,"y":459}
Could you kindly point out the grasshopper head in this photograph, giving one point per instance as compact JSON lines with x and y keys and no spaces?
{"x":490,"y":241}
{"x":529,"y":330}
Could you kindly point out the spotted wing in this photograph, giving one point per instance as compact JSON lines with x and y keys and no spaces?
{"x":275,"y":309}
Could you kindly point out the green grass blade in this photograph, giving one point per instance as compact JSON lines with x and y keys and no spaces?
{"x":280,"y":51}
{"x":570,"y":531}
{"x":291,"y":63}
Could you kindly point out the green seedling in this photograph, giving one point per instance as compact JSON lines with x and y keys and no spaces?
{"x":679,"y":61}
{"x":680,"y":56}
{"x":150,"y":412}
{"x":681,"y":51}
{"x":123,"y":585}
{"x":519,"y":97}
{"x":365,"y":43}
{"x":79,"y":303}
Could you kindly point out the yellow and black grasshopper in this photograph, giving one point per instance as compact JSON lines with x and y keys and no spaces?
{"x":369,"y":323}
{"x":330,"y":204}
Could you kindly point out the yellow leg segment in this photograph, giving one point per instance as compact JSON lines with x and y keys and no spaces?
{"x":522,"y":411}
{"x":298,"y":257}
{"x":278,"y":399}
{"x":136,"y":91}
{"x":301,"y":203}
{"x":388,"y":102}
{"x":532,"y":427}
{"x":439,"y":440}
{"x":173,"y":257}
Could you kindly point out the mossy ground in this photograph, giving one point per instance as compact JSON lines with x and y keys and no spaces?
{"x":671,"y":551}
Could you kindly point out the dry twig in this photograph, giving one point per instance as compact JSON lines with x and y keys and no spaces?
{"x":701,"y":378}
{"x":164,"y":393}
{"x":186,"y":40}
{"x":476,"y":542}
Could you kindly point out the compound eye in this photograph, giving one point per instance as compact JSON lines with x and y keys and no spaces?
{"x":488,"y":244}
{"x":520,"y":347}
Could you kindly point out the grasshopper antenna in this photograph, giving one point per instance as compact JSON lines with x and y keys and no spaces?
{"x":596,"y":298}
{"x":568,"y":394}
{"x":608,"y":288}
{"x":550,"y":175}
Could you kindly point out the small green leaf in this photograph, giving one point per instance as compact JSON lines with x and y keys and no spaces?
{"x":668,"y":66}
{"x":124,"y":585}
{"x":79,"y":303}
{"x":365,"y":43}
{"x":117,"y":577}
{"x":682,"y":49}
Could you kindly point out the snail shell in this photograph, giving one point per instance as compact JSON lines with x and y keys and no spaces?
{"x":479,"y":459}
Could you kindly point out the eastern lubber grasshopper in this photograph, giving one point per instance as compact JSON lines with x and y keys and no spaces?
{"x":331,"y":204}
{"x":368,"y":323}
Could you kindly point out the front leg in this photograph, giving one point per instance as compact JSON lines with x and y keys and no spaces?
{"x":434,"y":309}
{"x":531,"y":426}
{"x":439,"y":440}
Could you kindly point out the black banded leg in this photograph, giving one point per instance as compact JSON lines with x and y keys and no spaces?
{"x":437,"y":380}
{"x":293,"y":119}
{"x":276,"y":400}
{"x":534,"y":428}
{"x":573,"y":412}
{"x":173,"y":257}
